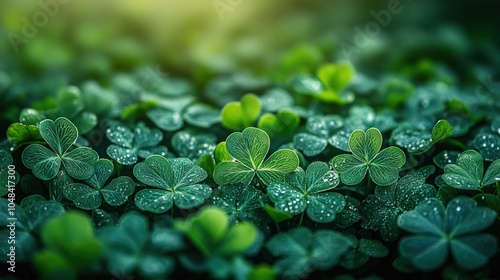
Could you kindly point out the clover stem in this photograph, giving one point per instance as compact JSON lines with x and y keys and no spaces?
{"x":456,"y":143}
{"x":369,"y":186}
{"x":277,"y":226}
{"x":301,"y":219}
{"x":172,"y":212}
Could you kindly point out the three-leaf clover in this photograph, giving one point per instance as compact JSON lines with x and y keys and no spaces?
{"x":133,"y":248}
{"x":320,"y":129}
{"x":60,"y":134}
{"x":31,"y":216}
{"x":467,"y":173}
{"x":438,"y":231}
{"x":300,"y":250}
{"x":383,"y":166}
{"x":239,"y":115}
{"x":306,"y":191}
{"x":380,"y":210}
{"x":240,"y":202}
{"x":70,"y":246}
{"x":361,"y":252}
{"x":249,"y":149}
{"x":417,"y":139}
{"x":90,"y":196}
{"x":210,"y":232}
{"x":176,"y":182}
{"x":128,"y":145}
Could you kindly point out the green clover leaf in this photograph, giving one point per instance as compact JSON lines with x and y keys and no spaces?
{"x":467,"y":173}
{"x":176,"y":182}
{"x":320,"y":129}
{"x":90,"y":196}
{"x":249,"y":149}
{"x":165,"y":119}
{"x":237,"y":116}
{"x":380,"y":210}
{"x":209,"y":231}
{"x":192,"y":144}
{"x":5,"y":161}
{"x":70,"y":246}
{"x":383,"y":166}
{"x":438,"y":231}
{"x":361,"y":252}
{"x":417,"y":140}
{"x":30,"y":218}
{"x":281,"y":124}
{"x":335,"y":78}
{"x":128,"y":145}
{"x":201,"y":115}
{"x":240,"y":202}
{"x":306,"y":191}
{"x":60,"y":134}
{"x":488,"y":144}
{"x":300,"y":250}
{"x":132,"y":248}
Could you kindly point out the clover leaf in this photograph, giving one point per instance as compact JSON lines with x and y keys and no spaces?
{"x":275,"y":99}
{"x":380,"y":210}
{"x":249,"y":149}
{"x":365,"y":146}
{"x":165,"y":119}
{"x":201,"y":115}
{"x":237,"y":116}
{"x":70,"y":246}
{"x":9,"y":177}
{"x":133,"y":249}
{"x":467,"y":173}
{"x":30,"y":218}
{"x":90,"y":196}
{"x":335,"y":77}
{"x":60,"y":135}
{"x":361,"y":252}
{"x":300,"y":250}
{"x":320,"y":129}
{"x":417,"y":139}
{"x":306,"y":191}
{"x":437,"y":232}
{"x":210,"y":233}
{"x":20,"y":134}
{"x":360,"y":117}
{"x":175,"y":181}
{"x":128,"y":145}
{"x":240,"y":202}
{"x":281,"y":124}
{"x":488,"y":144}
{"x":192,"y":144}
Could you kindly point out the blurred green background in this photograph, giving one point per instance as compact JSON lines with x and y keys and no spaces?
{"x":199,"y":40}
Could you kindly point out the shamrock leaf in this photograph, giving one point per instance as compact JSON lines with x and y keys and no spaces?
{"x":7,"y":175}
{"x":176,"y":182}
{"x":300,"y":250}
{"x":281,"y":124}
{"x":20,"y":134}
{"x":380,"y":210}
{"x":417,"y":139}
{"x":438,"y":231}
{"x":360,"y":117}
{"x":488,"y":144}
{"x":275,"y":99}
{"x":90,"y":196}
{"x":240,"y":202}
{"x":165,"y":119}
{"x":467,"y":173}
{"x":365,"y":146}
{"x":135,"y":250}
{"x":30,"y":218}
{"x":192,"y":144}
{"x":361,"y":252}
{"x":305,"y":191}
{"x":210,"y":233}
{"x":335,"y":77}
{"x":201,"y":115}
{"x":128,"y":145}
{"x":70,"y":246}
{"x":320,"y":129}
{"x":249,"y":149}
{"x":237,"y":116}
{"x":60,"y":135}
